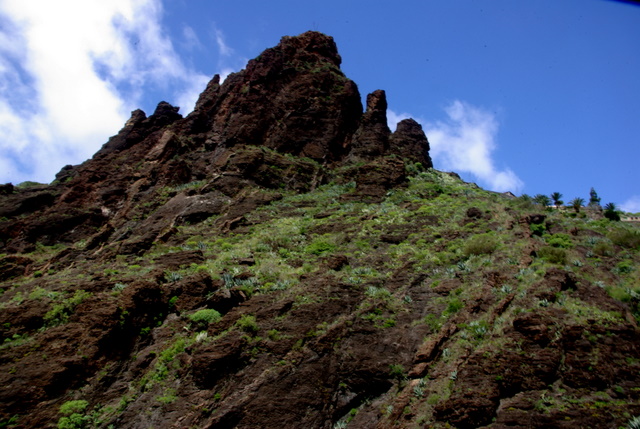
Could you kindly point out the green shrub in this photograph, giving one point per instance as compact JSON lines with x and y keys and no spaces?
{"x":274,"y":335}
{"x":173,"y":276}
{"x":432,"y":322}
{"x":378,"y":293}
{"x":61,"y":311}
{"x":624,"y":267}
{"x":28,"y":184}
{"x":247,"y":323}
{"x":602,"y":248}
{"x":481,"y":244}
{"x":320,"y":247}
{"x":168,"y":397}
{"x":205,"y":317}
{"x":397,"y":371}
{"x":74,"y":417}
{"x":454,"y":306}
{"x":623,"y":294}
{"x":478,"y":329}
{"x":538,"y":229}
{"x":562,"y":241}
{"x":625,"y":238}
{"x":71,"y":407}
{"x":173,"y":301}
{"x":74,"y":421}
{"x":553,"y":254}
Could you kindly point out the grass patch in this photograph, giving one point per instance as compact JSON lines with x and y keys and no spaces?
{"x":481,"y":244}
{"x":553,"y":255}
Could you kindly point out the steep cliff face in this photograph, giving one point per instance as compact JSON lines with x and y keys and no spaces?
{"x":280,"y":258}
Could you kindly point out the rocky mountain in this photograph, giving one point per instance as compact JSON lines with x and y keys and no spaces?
{"x":280,"y":258}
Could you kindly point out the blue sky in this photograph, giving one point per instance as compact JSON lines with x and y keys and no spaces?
{"x":531,"y":97}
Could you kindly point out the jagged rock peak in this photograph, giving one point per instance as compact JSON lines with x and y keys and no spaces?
{"x":295,"y":99}
{"x":292,"y":98}
{"x":371,"y":139}
{"x":137,"y":116}
{"x":410,"y":142}
{"x":311,"y":43}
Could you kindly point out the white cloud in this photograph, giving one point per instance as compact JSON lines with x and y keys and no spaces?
{"x":70,"y":73}
{"x":191,"y":39}
{"x":632,"y":205}
{"x":393,"y":118}
{"x":190,"y":94}
{"x":225,"y":50}
{"x":464,"y":143}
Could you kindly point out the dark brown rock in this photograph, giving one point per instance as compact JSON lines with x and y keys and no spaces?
{"x":6,"y":189}
{"x":374,"y":179}
{"x":371,"y":139}
{"x":26,"y":201}
{"x":293,"y":98}
{"x":173,"y":261}
{"x":474,"y":213}
{"x":410,"y":142}
{"x":13,"y":266}
{"x":336,"y":262}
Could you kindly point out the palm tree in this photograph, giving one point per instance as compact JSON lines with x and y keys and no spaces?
{"x":611,"y":212}
{"x":543,"y":200}
{"x":556,"y":199}
{"x":576,"y":203}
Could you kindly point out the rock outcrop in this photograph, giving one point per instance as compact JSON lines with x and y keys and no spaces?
{"x":293,"y":99}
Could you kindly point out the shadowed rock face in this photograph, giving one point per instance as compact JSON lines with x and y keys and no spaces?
{"x":371,"y":139}
{"x":409,"y":142}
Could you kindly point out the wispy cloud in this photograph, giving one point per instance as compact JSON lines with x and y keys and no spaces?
{"x":393,"y":118}
{"x":632,"y":205}
{"x":465,"y":143}
{"x":70,"y":73}
{"x":191,"y":39}
{"x":228,"y":60}
{"x":225,"y":50}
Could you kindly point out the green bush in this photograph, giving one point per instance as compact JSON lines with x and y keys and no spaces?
{"x":74,"y":421}
{"x":624,"y":267}
{"x":205,"y":317}
{"x":538,"y":229}
{"x":74,"y":417}
{"x":71,"y":407}
{"x":562,"y":241}
{"x":623,"y":294}
{"x":60,"y":312}
{"x":397,"y":371}
{"x":378,"y":293}
{"x":247,"y":323}
{"x":320,"y":247}
{"x":454,"y":306}
{"x":602,"y":248}
{"x":626,"y":238}
{"x":480,"y":244}
{"x":553,"y":254}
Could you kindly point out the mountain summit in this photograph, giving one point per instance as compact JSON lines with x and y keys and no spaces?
{"x":279,"y":258}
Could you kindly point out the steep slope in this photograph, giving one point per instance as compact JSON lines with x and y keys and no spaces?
{"x":279,"y":258}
